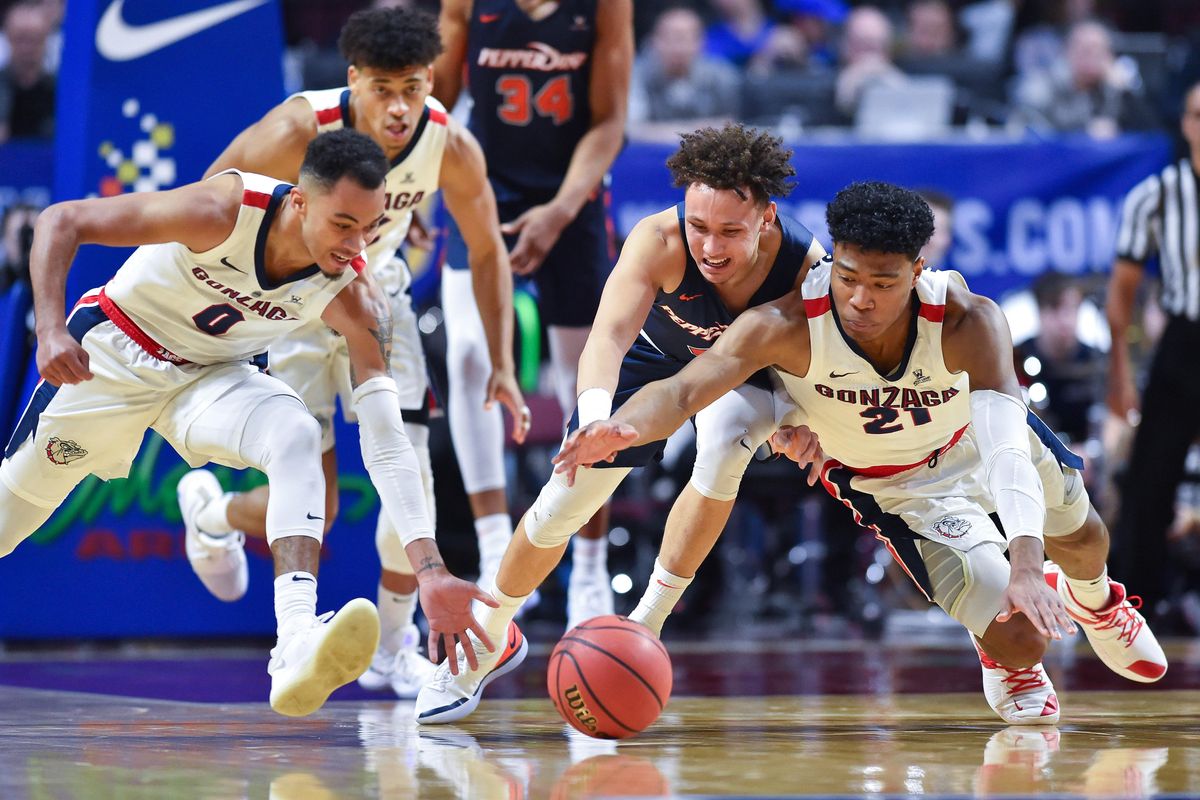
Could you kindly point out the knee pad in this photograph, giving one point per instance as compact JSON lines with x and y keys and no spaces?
{"x":284,"y":441}
{"x":19,"y":519}
{"x":560,"y":511}
{"x":727,"y":435}
{"x":392,"y":555}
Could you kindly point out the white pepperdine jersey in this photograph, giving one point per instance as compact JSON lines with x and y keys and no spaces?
{"x":218,"y":306}
{"x":874,"y":424}
{"x":413,"y":176}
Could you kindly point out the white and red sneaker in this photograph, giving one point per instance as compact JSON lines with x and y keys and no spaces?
{"x":1118,"y":632}
{"x":1019,"y":696}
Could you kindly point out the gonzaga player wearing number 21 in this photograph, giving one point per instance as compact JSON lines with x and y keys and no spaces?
{"x":223,"y":268}
{"x":908,"y":380}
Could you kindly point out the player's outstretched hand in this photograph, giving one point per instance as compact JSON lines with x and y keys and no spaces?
{"x":598,"y":441}
{"x":800,"y":444}
{"x":503,"y":388}
{"x":446,"y":601}
{"x":536,"y":230}
{"x":1028,"y":593}
{"x":61,"y":359}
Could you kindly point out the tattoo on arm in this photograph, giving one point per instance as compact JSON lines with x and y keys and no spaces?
{"x":381,"y":332}
{"x":428,"y":563}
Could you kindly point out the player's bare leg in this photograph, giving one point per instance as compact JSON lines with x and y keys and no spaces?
{"x":693,"y":527}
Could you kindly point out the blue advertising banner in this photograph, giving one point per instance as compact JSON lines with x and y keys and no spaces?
{"x":1021,"y":208}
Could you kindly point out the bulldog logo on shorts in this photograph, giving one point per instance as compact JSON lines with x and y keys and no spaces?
{"x":952,"y":527}
{"x":60,"y":452}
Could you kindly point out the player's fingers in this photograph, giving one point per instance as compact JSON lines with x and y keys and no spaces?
{"x":522,"y":421}
{"x":448,"y":642}
{"x":478,"y":630}
{"x":469,"y":650}
{"x":485,"y":598}
{"x":571,"y":475}
{"x":431,"y":645}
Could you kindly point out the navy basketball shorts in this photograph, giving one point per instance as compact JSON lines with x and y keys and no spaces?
{"x":571,"y":279}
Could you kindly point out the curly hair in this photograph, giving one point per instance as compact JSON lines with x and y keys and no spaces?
{"x":390,"y":39}
{"x":344,"y":153}
{"x":880,"y":216}
{"x":734,"y":157}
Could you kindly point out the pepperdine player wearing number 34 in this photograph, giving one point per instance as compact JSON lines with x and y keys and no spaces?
{"x":223,"y":268}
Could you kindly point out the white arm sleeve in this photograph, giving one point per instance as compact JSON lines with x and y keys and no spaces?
{"x":390,"y":458}
{"x":1003,"y":436}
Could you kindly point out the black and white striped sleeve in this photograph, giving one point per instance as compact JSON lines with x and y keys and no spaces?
{"x":1141,"y":221}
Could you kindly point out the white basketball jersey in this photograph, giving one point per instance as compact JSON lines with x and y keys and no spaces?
{"x":413,"y":176}
{"x":871,"y":422}
{"x":219,"y":306}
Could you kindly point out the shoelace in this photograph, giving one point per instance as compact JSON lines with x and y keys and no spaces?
{"x":1019,"y":680}
{"x":1123,"y":618}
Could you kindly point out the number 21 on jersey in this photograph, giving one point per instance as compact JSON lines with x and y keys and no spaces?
{"x":553,"y":100}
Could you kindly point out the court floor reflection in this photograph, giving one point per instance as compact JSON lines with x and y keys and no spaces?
{"x":1110,"y":744}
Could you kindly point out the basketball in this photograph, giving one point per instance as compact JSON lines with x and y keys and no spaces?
{"x":609,"y":677}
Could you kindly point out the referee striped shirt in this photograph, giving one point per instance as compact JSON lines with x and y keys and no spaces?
{"x":1161,"y":215}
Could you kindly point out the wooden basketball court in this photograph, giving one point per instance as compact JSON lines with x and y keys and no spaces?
{"x":748,"y":719}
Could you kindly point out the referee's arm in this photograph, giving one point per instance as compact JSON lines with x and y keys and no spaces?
{"x":1122,"y":295}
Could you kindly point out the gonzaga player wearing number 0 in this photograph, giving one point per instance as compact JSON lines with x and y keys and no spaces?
{"x":907,"y":379}
{"x":224,"y":268}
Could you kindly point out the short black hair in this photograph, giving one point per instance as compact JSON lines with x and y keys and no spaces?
{"x":1050,"y":288}
{"x":341,"y":154}
{"x":734,"y":157}
{"x":881,"y":217}
{"x":390,"y":39}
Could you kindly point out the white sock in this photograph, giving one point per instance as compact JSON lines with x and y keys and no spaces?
{"x":495,"y":620}
{"x":493,"y":532}
{"x":660,"y":598}
{"x":295,"y":602}
{"x":589,"y":555}
{"x":395,"y":615}
{"x":1092,"y":593}
{"x":213,"y":518}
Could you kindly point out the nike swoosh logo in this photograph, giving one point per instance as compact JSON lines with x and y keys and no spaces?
{"x":117,"y":40}
{"x":688,"y":297}
{"x":486,"y":18}
{"x":842,"y":374}
{"x":301,"y":578}
{"x":225,"y":261}
{"x":310,"y":516}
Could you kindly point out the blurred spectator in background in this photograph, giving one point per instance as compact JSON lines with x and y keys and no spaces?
{"x":1088,"y":91}
{"x":674,"y":83}
{"x":16,"y":238}
{"x":1157,"y":219}
{"x":1061,"y":373}
{"x":938,"y":246}
{"x":867,"y":46}
{"x":930,"y":30}
{"x":54,"y":10}
{"x":26,"y":88}
{"x":742,"y":29}
{"x":815,"y":23}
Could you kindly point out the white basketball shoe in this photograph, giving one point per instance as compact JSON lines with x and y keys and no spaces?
{"x":1019,"y":696}
{"x":589,"y":594}
{"x":448,"y":697}
{"x":404,"y":671}
{"x":1118,"y":632}
{"x":310,"y":663}
{"x":219,"y":560}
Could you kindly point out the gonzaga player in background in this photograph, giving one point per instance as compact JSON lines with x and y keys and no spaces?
{"x":224,"y":268}
{"x":391,"y":52}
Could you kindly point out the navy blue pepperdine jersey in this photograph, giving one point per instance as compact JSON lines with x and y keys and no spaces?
{"x":684,"y":323}
{"x":529,"y":83}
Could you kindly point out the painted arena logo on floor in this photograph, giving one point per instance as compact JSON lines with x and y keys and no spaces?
{"x":61,"y":453}
{"x":952,"y":527}
{"x":579,"y":708}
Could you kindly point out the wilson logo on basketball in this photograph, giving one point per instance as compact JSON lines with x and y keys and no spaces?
{"x":579,"y":708}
